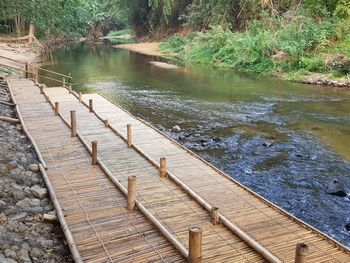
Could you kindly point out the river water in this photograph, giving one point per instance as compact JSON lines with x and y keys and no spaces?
{"x":284,"y":140}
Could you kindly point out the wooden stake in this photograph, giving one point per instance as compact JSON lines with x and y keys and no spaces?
{"x":106,"y":123}
{"x":26,"y":70}
{"x":129,"y":135}
{"x":301,"y":253}
{"x":80,"y":97}
{"x":94,"y":153}
{"x":57,"y":108}
{"x":131,"y":192}
{"x":91,"y":105}
{"x":70,"y":89}
{"x":215,"y":215}
{"x":162,"y":167}
{"x":73,"y":121}
{"x":63,"y":82}
{"x":195,"y":245}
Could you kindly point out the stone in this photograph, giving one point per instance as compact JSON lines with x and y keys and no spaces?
{"x":336,"y":188}
{"x":23,"y":255}
{"x":3,"y":218}
{"x":36,"y":253}
{"x":25,"y":203}
{"x":347,"y":227}
{"x":38,"y":191}
{"x":10,"y":253}
{"x":12,"y":164}
{"x":2,"y":203}
{"x":177,"y":128}
{"x":268,"y":144}
{"x":33,"y":168}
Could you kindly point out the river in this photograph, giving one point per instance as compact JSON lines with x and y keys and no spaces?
{"x":284,"y":140}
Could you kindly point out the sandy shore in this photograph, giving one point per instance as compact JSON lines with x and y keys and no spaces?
{"x":147,"y":48}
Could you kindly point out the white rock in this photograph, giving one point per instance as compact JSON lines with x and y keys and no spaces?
{"x":38,"y":191}
{"x":33,"y":168}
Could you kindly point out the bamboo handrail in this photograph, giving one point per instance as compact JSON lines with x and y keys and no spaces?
{"x":269,"y":203}
{"x":172,"y":239}
{"x":39,"y":68}
{"x":254,"y":244}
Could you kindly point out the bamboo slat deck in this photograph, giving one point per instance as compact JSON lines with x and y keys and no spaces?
{"x":71,"y":173}
{"x":167,"y":202}
{"x":94,"y":209}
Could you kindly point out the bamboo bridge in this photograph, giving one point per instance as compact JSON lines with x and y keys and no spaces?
{"x":126,"y":192}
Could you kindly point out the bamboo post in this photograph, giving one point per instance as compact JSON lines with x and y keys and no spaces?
{"x":131,"y":192}
{"x":80,"y":97}
{"x":26,"y":70}
{"x":162,"y":167}
{"x":215,"y":215}
{"x":94,"y":153}
{"x":91,"y":105}
{"x":129,"y":135}
{"x":106,"y":123}
{"x":57,"y":108}
{"x":301,"y":253}
{"x":195,"y":245}
{"x":63,"y":82}
{"x":73,"y":121}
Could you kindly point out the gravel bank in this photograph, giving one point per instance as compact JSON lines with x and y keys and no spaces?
{"x":24,"y":236}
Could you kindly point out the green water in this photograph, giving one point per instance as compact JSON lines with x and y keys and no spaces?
{"x":287,"y":141}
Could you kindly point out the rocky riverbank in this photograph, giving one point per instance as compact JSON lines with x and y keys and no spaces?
{"x":25,"y":236}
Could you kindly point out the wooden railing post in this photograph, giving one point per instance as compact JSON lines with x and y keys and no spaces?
{"x":26,"y":70}
{"x":106,"y":123}
{"x":91,"y":105}
{"x":195,"y":245}
{"x":94,"y":152}
{"x":36,"y":79}
{"x":73,"y":123}
{"x":70,"y":89}
{"x":301,"y":253}
{"x":57,"y":108}
{"x":69,"y":78}
{"x":129,"y":135}
{"x":131,"y":192}
{"x":162,"y":167}
{"x":80,"y":97}
{"x":41,"y":87}
{"x":63,"y":82}
{"x":47,"y":98}
{"x":215,"y":215}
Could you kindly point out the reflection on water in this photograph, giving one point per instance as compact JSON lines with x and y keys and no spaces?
{"x":286,"y":141}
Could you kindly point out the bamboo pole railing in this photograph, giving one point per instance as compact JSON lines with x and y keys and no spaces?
{"x":269,"y":203}
{"x":254,"y":244}
{"x":165,"y":232}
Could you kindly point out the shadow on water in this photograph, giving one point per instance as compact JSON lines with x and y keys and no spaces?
{"x":284,"y":140}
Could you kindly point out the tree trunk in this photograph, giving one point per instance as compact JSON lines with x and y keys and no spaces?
{"x":31,"y":33}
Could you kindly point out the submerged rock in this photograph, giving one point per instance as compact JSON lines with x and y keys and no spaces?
{"x":336,"y":188}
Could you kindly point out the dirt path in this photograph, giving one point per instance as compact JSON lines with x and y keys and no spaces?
{"x":20,"y":52}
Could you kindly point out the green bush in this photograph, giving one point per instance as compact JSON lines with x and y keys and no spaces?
{"x":119,"y":33}
{"x":175,"y":44}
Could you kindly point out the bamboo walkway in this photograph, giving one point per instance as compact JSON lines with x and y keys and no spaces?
{"x":171,"y":199}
